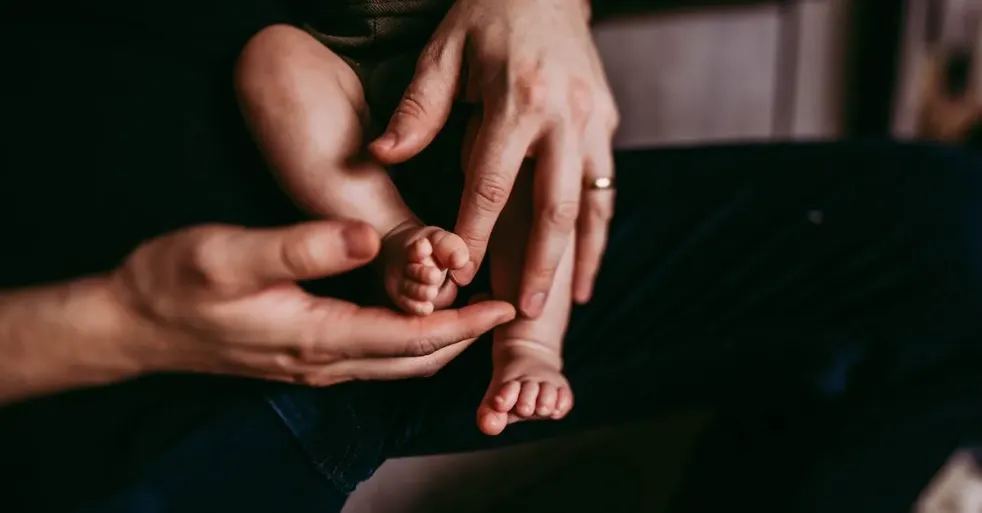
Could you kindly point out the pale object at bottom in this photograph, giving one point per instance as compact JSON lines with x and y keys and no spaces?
{"x":957,"y":488}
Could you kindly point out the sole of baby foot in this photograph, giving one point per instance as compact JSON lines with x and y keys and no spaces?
{"x":412,"y":278}
{"x":528,"y":388}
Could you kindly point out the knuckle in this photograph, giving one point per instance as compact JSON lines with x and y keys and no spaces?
{"x":599,"y":210}
{"x":207,"y":258}
{"x":607,"y":113}
{"x":562,"y":215}
{"x":542,"y":274}
{"x":613,"y":117}
{"x":530,"y":88}
{"x":581,"y":100}
{"x":491,"y":192}
{"x":324,"y":336}
{"x":422,"y":346}
{"x":303,"y":349}
{"x":297,"y":255}
{"x":411,"y":105}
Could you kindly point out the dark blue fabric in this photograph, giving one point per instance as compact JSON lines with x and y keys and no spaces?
{"x":243,"y":459}
{"x":783,"y":285}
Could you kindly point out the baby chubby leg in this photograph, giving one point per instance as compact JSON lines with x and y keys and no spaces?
{"x":307,"y":111}
{"x":528,"y":382}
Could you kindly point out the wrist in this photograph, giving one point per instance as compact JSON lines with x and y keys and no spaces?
{"x":60,"y":337}
{"x":106,"y":333}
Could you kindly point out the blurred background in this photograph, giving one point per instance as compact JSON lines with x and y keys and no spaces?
{"x":691,"y":72}
{"x":694,"y":72}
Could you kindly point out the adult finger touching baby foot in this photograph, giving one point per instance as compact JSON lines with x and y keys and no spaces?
{"x":417,"y":261}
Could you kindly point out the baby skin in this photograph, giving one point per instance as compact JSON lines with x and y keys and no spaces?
{"x":307,"y":111}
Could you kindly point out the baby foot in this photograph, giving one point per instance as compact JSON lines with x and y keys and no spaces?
{"x":528,"y":384}
{"x":417,"y":261}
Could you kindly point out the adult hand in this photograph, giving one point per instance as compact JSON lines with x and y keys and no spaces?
{"x":533,"y":68}
{"x":220,"y":299}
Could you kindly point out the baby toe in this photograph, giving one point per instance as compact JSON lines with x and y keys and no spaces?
{"x":415,"y":307}
{"x":504,"y":399}
{"x":419,"y":251}
{"x":527,"y":398}
{"x":491,"y":422}
{"x":449,"y":250}
{"x":546,"y":403}
{"x":418,"y":291}
{"x":564,"y":402}
{"x":426,"y":274}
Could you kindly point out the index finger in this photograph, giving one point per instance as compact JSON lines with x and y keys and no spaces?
{"x":384,"y":333}
{"x":497,"y":154}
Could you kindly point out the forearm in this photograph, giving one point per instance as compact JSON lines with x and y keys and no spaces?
{"x":60,"y":337}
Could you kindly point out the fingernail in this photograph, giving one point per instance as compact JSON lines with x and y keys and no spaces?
{"x":583,"y":296}
{"x":359,"y":244}
{"x":388,"y":140}
{"x":505,"y":317}
{"x":458,"y":260}
{"x":533,"y":305}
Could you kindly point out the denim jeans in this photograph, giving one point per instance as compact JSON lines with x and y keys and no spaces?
{"x":824,"y":298}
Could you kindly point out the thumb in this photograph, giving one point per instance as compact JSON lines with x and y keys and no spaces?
{"x":425,"y":107}
{"x":301,"y":252}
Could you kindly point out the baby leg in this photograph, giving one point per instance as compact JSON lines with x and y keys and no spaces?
{"x":307,"y":111}
{"x":528,"y":382}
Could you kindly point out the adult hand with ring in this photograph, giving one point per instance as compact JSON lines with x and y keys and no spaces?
{"x":534,"y":69}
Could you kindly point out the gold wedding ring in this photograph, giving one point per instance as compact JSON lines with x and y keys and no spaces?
{"x":600,"y":184}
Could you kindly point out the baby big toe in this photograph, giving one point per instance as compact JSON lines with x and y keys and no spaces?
{"x":414,"y":307}
{"x":423,"y":273}
{"x":491,"y":422}
{"x":449,"y":250}
{"x":420,"y":251}
{"x":419,"y":291}
{"x":492,"y":415}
